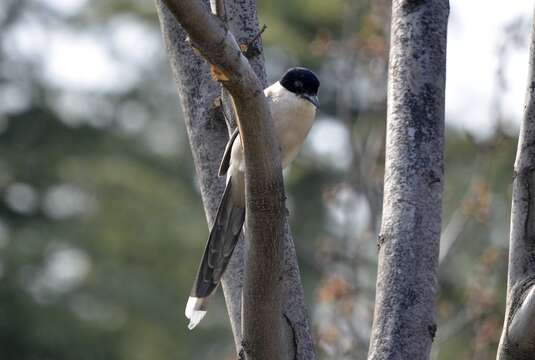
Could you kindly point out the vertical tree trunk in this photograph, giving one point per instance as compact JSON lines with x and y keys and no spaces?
{"x":518,"y":336}
{"x":208,"y":135}
{"x":205,"y":124}
{"x":404,"y":319}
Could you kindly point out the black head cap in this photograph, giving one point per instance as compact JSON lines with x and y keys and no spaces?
{"x":301,"y":81}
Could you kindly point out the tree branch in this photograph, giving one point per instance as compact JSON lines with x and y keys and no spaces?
{"x":208,"y":136}
{"x":262,"y":322}
{"x":518,"y":335}
{"x":404,"y":319}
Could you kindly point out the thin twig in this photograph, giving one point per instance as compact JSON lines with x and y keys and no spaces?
{"x":248,"y":49}
{"x":218,"y":9}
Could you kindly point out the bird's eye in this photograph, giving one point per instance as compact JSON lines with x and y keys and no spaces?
{"x":298,"y":84}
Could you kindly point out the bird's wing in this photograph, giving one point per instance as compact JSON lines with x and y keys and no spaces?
{"x":225,"y":162}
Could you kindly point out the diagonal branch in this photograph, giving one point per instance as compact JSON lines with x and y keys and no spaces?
{"x":207,"y":135}
{"x":262,"y":321}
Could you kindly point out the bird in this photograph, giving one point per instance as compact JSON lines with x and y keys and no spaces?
{"x":293,"y":101}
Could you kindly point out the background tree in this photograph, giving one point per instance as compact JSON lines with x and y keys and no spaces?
{"x":404,"y":320}
{"x":518,"y":336}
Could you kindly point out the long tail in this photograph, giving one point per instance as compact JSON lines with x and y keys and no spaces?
{"x":221,"y":243}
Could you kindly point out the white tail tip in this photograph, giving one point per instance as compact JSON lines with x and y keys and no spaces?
{"x":195,"y":311}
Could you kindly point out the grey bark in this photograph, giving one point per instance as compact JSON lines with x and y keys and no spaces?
{"x":241,"y":19}
{"x":264,"y":190}
{"x":518,"y":336}
{"x":205,"y":124}
{"x":207,"y":135}
{"x":404,"y":319}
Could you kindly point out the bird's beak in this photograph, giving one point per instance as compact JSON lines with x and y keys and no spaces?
{"x":313,"y":99}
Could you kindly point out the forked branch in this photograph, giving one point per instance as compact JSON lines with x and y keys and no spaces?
{"x":262,"y":320}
